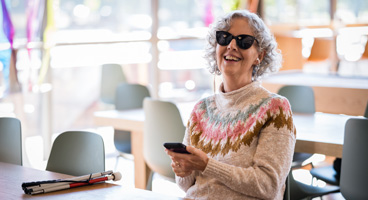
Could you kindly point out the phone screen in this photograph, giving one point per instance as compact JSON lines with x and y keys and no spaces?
{"x":176,"y":147}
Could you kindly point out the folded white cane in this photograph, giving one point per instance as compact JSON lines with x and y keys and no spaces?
{"x":60,"y":184}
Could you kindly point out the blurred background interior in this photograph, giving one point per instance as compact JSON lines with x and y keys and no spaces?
{"x":50,"y":75}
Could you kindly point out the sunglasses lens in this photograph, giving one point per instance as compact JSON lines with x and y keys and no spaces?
{"x":223,"y":38}
{"x":245,"y":42}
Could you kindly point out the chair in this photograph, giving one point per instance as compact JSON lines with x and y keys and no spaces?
{"x":300,"y":190}
{"x":77,"y":153}
{"x":354,"y":173}
{"x":328,"y":173}
{"x":301,"y":99}
{"x":128,"y":96}
{"x":163,"y":123}
{"x":10,"y":140}
{"x":111,"y":76}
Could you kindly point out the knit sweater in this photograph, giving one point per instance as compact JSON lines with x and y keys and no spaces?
{"x":249,"y":137}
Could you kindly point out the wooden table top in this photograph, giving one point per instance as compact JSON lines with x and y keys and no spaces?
{"x":12,"y":177}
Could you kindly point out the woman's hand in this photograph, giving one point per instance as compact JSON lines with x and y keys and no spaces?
{"x":184,"y":164}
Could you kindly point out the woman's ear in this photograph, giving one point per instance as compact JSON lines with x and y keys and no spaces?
{"x":260,"y":57}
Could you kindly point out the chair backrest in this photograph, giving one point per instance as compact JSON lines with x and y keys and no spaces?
{"x":301,"y":98}
{"x":130,"y":96}
{"x":77,"y":153}
{"x":111,"y":76}
{"x":163,"y":123}
{"x":354,"y":173}
{"x":10,"y":140}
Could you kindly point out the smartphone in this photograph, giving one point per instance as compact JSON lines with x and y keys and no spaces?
{"x":176,"y":147}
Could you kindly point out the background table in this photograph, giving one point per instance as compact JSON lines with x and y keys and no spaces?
{"x":133,"y":121}
{"x":321,"y":133}
{"x":316,"y":133}
{"x":12,"y":177}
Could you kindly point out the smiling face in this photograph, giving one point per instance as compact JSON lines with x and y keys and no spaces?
{"x":236,"y":64}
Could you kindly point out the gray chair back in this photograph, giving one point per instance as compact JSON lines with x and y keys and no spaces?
{"x":130,"y":96}
{"x":111,"y":76}
{"x":10,"y":140}
{"x":301,"y":98}
{"x":163,"y":123}
{"x":77,"y":153}
{"x":354,"y":166}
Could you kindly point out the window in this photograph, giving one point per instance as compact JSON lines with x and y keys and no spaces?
{"x":352,"y":11}
{"x":301,"y":12}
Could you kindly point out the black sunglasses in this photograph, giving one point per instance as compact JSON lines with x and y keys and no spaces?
{"x":224,"y":38}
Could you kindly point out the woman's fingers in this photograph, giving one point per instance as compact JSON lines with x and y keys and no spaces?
{"x":181,"y":172}
{"x":184,"y":164}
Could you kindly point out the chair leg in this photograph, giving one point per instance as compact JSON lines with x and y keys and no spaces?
{"x":116,"y":162}
{"x":149,"y":182}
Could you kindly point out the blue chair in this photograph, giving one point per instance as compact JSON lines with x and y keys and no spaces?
{"x":354,"y":173}
{"x":77,"y":153}
{"x":10,"y":140}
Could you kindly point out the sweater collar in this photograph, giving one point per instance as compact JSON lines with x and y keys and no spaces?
{"x":233,"y":98}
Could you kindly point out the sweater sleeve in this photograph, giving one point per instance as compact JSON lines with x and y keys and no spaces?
{"x":271,"y":162}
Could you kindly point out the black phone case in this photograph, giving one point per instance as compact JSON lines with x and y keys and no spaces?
{"x":176,"y":147}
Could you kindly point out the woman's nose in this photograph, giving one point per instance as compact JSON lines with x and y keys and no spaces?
{"x":232,"y":45}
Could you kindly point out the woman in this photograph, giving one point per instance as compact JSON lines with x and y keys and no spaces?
{"x":242,"y":139}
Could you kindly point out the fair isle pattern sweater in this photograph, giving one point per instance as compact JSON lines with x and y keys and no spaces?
{"x":249,"y":137}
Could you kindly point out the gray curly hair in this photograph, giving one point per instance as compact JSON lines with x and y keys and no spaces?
{"x":266,"y":42}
